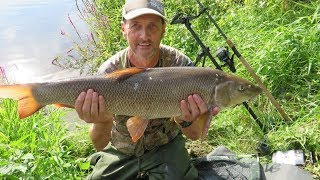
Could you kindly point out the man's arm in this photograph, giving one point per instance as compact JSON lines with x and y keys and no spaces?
{"x":91,"y":108}
{"x":191,"y":110}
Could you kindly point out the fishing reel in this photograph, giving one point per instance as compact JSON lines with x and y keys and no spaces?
{"x":223,"y":55}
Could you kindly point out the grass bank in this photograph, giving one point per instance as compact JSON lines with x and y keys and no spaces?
{"x":279,"y":38}
{"x":41,"y":146}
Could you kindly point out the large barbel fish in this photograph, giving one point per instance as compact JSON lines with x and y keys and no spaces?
{"x":141,"y":93}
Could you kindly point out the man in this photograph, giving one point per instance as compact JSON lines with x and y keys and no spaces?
{"x":160,"y":152}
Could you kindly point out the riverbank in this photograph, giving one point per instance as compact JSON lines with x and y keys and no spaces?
{"x":279,"y":38}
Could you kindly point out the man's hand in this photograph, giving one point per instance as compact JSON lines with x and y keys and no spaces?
{"x":91,"y":107}
{"x":191,"y":109}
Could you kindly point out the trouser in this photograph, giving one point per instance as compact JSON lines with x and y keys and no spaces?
{"x":170,"y":161}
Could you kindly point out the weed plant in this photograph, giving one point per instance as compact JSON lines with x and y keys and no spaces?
{"x":279,"y":38}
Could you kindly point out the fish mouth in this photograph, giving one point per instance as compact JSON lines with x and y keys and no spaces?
{"x":253,"y":97}
{"x":250,"y":99}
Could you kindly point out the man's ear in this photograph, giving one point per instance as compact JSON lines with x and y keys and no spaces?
{"x":124,"y":33}
{"x":163,"y":29}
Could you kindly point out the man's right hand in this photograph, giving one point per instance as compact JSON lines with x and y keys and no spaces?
{"x":91,"y":108}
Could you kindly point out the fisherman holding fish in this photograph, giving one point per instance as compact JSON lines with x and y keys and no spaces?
{"x":160,"y":152}
{"x":143,"y":136}
{"x":154,"y":100}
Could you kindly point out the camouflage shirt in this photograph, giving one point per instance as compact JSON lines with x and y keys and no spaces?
{"x":158,"y":131}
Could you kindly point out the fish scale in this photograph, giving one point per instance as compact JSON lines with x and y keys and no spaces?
{"x":155,"y":94}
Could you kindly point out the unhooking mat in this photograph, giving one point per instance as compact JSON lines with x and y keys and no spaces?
{"x":221,"y":164}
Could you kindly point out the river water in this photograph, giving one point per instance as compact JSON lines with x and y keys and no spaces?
{"x":30,"y":38}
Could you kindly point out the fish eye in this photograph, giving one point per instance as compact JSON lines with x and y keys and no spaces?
{"x":241,"y":88}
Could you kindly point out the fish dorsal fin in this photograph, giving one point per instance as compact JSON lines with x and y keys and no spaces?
{"x":124,"y":74}
{"x":136,"y":127}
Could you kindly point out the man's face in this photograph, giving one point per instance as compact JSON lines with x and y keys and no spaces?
{"x":144,"y":34}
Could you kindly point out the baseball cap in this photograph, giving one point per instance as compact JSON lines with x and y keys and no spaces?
{"x":135,"y":8}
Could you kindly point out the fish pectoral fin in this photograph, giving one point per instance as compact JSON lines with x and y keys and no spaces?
{"x":27,"y":105}
{"x":63,"y":105}
{"x":124,"y":74}
{"x":204,"y":123}
{"x":136,"y":127}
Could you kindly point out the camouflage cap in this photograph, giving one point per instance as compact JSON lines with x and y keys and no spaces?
{"x":135,"y":8}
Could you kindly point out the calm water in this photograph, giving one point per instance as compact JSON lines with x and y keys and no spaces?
{"x":30,"y":37}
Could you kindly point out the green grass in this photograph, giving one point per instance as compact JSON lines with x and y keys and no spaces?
{"x":41,"y":146}
{"x":279,"y":38}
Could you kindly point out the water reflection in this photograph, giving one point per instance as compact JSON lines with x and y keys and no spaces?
{"x":30,"y":37}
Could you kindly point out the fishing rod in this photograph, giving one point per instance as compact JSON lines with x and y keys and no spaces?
{"x":222,"y":54}
{"x":246,"y":64}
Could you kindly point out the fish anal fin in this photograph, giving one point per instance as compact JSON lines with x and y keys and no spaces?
{"x":136,"y":127}
{"x":28,"y":106}
{"x":124,"y":74}
{"x":63,"y":105}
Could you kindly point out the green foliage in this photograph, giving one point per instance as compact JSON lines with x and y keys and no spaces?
{"x":40,"y":146}
{"x":279,"y":38}
{"x":281,"y":42}
{"x":240,"y":134}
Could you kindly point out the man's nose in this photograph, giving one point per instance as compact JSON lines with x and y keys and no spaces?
{"x":145,"y":33}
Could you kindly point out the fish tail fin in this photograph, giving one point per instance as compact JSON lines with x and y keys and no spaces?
{"x":27,"y":105}
{"x":136,"y":127}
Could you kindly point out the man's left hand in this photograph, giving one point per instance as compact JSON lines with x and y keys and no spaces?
{"x":191,"y":109}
